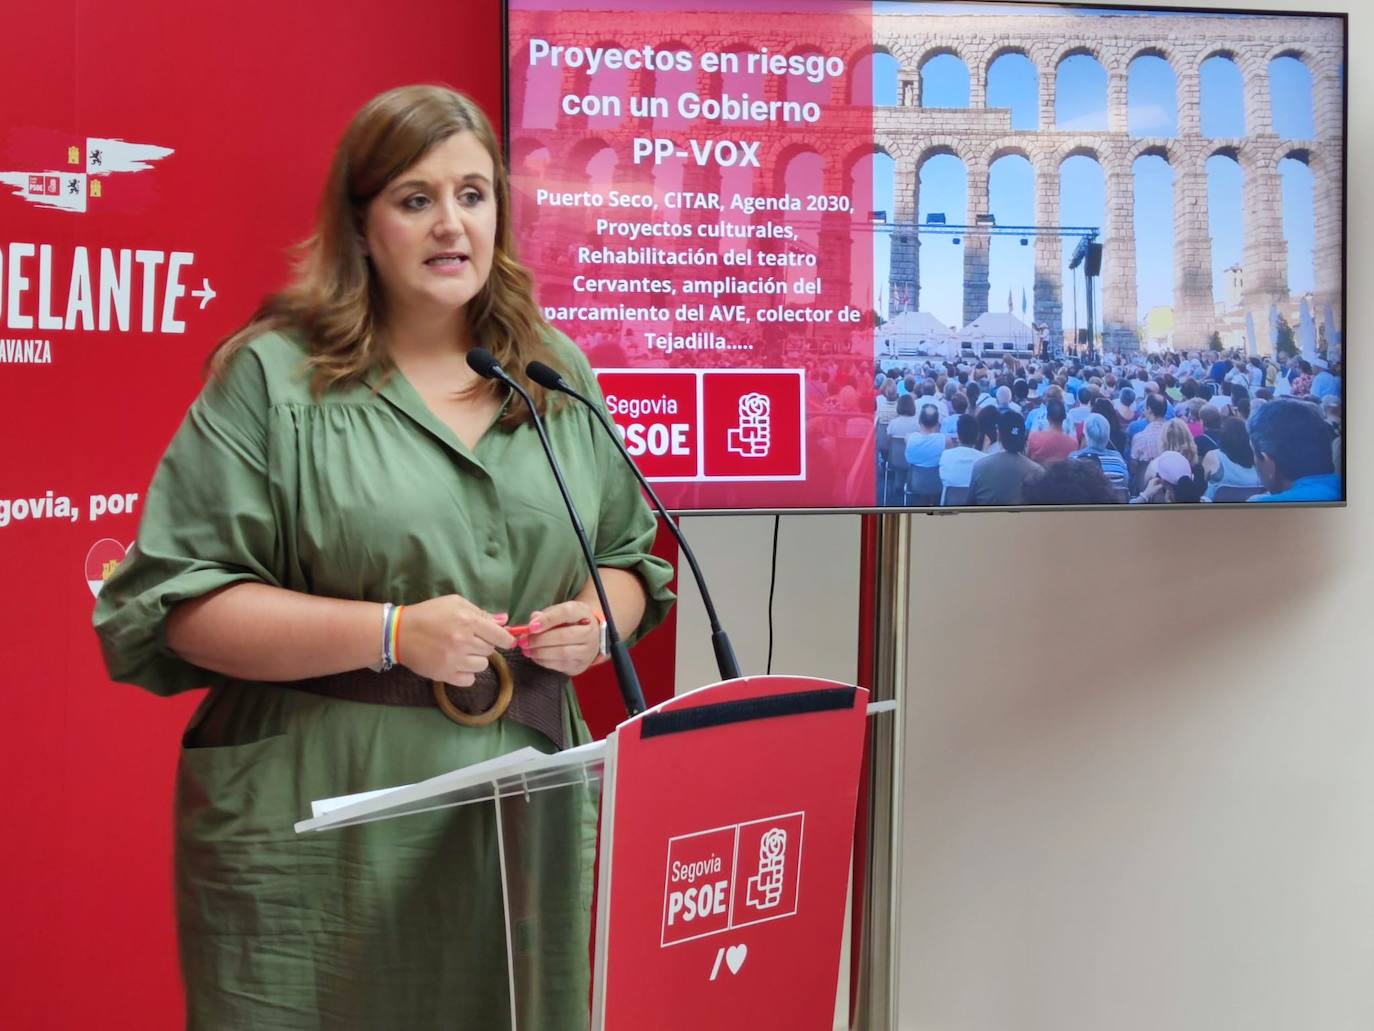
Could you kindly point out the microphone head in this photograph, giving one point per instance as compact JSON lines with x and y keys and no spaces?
{"x":546,"y":376}
{"x":484,"y":363}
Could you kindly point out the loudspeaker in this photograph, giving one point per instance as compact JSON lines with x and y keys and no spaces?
{"x":1092,"y":261}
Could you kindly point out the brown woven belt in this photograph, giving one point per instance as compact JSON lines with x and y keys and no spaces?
{"x":536,"y":701}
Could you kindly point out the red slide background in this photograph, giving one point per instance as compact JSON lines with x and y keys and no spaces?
{"x":250,"y":98}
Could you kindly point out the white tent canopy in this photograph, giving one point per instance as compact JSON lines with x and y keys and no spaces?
{"x":916,"y":333}
{"x":998,"y":331}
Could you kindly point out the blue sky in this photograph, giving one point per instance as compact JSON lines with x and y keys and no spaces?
{"x":1081,"y":103}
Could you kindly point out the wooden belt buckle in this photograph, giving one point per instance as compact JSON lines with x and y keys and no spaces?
{"x":498,"y":708}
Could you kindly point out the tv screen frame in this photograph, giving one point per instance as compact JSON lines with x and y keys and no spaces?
{"x":915,"y":345}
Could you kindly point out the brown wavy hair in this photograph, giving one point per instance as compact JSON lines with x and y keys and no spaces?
{"x":335,"y":299}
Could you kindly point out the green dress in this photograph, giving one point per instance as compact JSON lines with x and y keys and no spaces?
{"x":365,"y":494}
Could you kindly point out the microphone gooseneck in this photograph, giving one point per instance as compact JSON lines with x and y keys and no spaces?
{"x":484,"y":363}
{"x":550,"y":379}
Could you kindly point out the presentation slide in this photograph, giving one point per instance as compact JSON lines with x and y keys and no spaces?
{"x":831,"y":255}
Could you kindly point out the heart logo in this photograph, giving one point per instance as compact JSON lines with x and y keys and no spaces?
{"x":104,"y":557}
{"x":735,"y":956}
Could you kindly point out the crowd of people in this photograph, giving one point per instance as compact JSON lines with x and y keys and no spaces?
{"x":1196,"y":427}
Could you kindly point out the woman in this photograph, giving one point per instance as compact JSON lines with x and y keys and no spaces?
{"x":1116,"y":430}
{"x":1177,"y":437}
{"x":987,"y":430}
{"x":342,"y":461}
{"x":1174,"y":481}
{"x":1232,"y":462}
{"x":886,"y":402}
{"x":904,"y":422}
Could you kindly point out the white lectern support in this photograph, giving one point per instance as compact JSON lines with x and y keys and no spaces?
{"x":516,"y":774}
{"x":733,"y":704}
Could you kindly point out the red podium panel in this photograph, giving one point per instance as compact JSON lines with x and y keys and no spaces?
{"x":727,"y":825}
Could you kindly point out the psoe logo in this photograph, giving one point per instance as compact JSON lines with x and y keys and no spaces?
{"x":86,"y":176}
{"x":731,"y":877}
{"x":102,"y":560}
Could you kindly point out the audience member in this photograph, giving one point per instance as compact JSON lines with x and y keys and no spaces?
{"x":1293,"y":453}
{"x":997,"y":478}
{"x":1097,"y":441}
{"x":1051,"y":444}
{"x":956,"y":463}
{"x":1232,"y":462}
{"x":1078,"y":482}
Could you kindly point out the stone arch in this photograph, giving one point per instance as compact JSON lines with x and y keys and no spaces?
{"x":1307,"y":105}
{"x":1013,"y":195}
{"x":1315,"y":158}
{"x":865,"y":57}
{"x":1014,"y":51}
{"x":1164,"y":53}
{"x":938,"y":145}
{"x":1224,"y":52}
{"x":1079,"y":150}
{"x":1227,"y":231}
{"x":1207,"y":97}
{"x":1024,"y":49}
{"x":1094,"y":50}
{"x":585,"y":149}
{"x":788,"y":154}
{"x":1162,"y":223}
{"x":944,"y":284}
{"x":870,"y":249}
{"x":934,"y":53}
{"x":999,"y":149}
{"x":1298,"y":221}
{"x":1103,"y":74}
{"x":1167,"y":94}
{"x":579,"y":171}
{"x":1307,"y":57}
{"x":861,"y":151}
{"x":1171,"y":152}
{"x":1071,"y":204}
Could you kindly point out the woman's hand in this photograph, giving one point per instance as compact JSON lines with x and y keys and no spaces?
{"x":1153,"y":490}
{"x":449,"y":639}
{"x":565,"y":637}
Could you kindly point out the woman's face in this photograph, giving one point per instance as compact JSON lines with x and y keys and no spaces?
{"x":431,"y":232}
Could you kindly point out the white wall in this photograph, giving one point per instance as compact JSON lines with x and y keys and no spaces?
{"x":1139,"y":789}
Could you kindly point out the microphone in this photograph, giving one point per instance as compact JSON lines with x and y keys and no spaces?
{"x":484,"y":363}
{"x":549,"y":379}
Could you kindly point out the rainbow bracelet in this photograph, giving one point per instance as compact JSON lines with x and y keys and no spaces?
{"x":393,"y":637}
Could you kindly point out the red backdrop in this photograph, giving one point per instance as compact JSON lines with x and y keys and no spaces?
{"x":240,"y":107}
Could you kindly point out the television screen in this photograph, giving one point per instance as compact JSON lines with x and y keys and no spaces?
{"x":836,"y":255}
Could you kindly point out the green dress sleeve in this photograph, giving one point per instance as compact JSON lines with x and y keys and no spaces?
{"x":207,"y":523}
{"x":624,"y":534}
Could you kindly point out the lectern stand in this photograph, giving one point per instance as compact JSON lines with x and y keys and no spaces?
{"x":727,"y":819}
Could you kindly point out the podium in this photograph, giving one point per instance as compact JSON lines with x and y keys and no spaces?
{"x":726,"y":830}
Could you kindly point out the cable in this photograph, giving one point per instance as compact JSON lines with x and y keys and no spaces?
{"x":772,"y":585}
